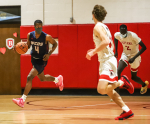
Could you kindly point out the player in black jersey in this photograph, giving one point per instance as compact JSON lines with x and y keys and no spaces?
{"x":39,"y":56}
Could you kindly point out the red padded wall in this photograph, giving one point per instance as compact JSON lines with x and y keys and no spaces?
{"x":144,"y":34}
{"x":49,"y":29}
{"x":24,"y":30}
{"x":68,"y":54}
{"x":87,"y":70}
{"x":74,"y":41}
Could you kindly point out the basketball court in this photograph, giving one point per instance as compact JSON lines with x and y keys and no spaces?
{"x":70,"y":23}
{"x":72,"y":110}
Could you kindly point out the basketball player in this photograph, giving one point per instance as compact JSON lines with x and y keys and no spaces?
{"x":108,"y":80}
{"x":39,"y":56}
{"x":130,"y":55}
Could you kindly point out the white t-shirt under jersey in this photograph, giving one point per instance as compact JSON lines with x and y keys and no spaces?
{"x":108,"y":51}
{"x":130,"y":43}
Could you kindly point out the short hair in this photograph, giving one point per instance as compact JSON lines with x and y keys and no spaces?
{"x":99,"y":12}
{"x":123,"y":26}
{"x":37,"y":21}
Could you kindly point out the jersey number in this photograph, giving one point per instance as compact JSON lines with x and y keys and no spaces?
{"x":127,"y":47}
{"x":37,"y":49}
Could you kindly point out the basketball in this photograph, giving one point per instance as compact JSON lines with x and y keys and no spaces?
{"x":21,"y":47}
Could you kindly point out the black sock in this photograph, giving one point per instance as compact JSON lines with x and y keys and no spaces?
{"x":143,"y":85}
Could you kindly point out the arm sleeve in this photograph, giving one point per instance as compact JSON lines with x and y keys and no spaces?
{"x":136,"y":38}
{"x":116,"y":35}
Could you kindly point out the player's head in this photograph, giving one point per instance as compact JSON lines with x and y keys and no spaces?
{"x":38,"y":26}
{"x":123,"y":30}
{"x":99,"y":13}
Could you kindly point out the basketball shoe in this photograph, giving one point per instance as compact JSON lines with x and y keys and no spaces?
{"x":19,"y":102}
{"x":125,"y":115}
{"x":60,"y":82}
{"x":127,"y":84}
{"x":144,"y":89}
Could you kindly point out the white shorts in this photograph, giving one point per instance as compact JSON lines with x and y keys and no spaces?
{"x":108,"y":70}
{"x":133,"y":66}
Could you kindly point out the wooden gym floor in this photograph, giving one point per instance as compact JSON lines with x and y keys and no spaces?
{"x":72,"y":110}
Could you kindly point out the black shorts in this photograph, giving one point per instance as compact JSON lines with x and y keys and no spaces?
{"x":38,"y":64}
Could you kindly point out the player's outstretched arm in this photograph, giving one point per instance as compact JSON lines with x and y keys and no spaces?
{"x":116,"y":47}
{"x":54,"y":43}
{"x":143,"y":48}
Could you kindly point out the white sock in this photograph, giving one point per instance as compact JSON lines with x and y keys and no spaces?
{"x":125,"y":108}
{"x":56,"y":80}
{"x":121,"y":82}
{"x":24,"y":97}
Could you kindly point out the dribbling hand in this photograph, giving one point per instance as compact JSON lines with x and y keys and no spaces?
{"x":89,"y":54}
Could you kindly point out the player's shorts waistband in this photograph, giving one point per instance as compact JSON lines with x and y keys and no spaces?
{"x":35,"y":58}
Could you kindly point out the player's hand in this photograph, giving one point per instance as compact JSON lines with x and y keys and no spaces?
{"x":131,"y":60}
{"x":45,"y":57}
{"x":116,"y":55}
{"x":89,"y":54}
{"x":89,"y":50}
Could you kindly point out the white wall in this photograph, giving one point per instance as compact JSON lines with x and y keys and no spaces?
{"x":60,"y":11}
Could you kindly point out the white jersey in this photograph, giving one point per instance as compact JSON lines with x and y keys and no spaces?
{"x":107,"y":52}
{"x":130,"y":43}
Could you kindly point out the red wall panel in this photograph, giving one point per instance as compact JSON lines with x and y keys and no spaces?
{"x":87,"y":70}
{"x":49,"y":29}
{"x":74,"y":41}
{"x":144,"y":34}
{"x":68,"y":54}
{"x":24,"y":30}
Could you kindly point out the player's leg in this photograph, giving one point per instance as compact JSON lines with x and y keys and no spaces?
{"x":58,"y":80}
{"x":108,"y":85}
{"x":122,"y":65}
{"x":108,"y":81}
{"x":127,"y":113}
{"x":134,"y":69}
{"x":46,"y":77}
{"x":138,"y":80}
{"x":20,"y":101}
{"x":116,"y":98}
{"x":30,"y":77}
{"x":105,"y":87}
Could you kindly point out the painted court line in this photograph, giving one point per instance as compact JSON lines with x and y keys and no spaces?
{"x":69,"y":114}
